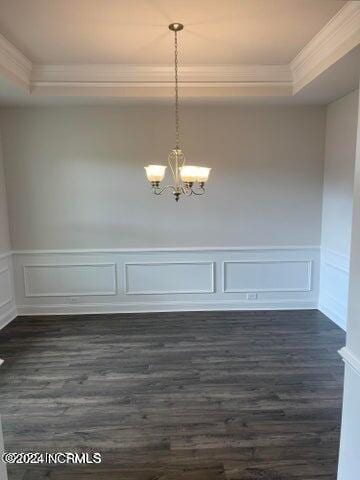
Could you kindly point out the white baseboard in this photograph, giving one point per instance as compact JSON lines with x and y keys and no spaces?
{"x":149,"y":307}
{"x":334,"y":311}
{"x":7,"y":317}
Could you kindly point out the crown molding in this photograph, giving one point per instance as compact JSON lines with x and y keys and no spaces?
{"x":159,"y":75}
{"x":340,"y":35}
{"x":157,"y":81}
{"x":13,"y":63}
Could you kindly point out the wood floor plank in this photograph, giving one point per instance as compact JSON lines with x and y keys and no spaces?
{"x":175,"y":396}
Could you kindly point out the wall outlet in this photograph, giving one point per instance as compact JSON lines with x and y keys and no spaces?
{"x":251,"y":296}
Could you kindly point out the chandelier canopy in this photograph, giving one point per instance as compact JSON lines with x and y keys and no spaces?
{"x":188,"y":179}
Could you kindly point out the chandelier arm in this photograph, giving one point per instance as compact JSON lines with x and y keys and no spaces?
{"x":171,"y":168}
{"x":186,"y":190}
{"x":199,"y":191}
{"x":160,"y":191}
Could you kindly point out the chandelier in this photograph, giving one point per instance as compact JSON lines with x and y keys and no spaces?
{"x":188,"y":179}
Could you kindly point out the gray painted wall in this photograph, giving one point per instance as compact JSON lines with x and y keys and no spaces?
{"x":341,"y":126}
{"x":4,"y":226}
{"x":75,"y":176}
{"x":349,"y":458}
{"x":340,"y":147}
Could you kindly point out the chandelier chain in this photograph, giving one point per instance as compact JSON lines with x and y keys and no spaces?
{"x":177,"y":120}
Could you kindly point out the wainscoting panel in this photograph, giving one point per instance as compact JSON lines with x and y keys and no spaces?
{"x":334,"y":285}
{"x":5,"y":286}
{"x":267,"y":276}
{"x":134,"y":280}
{"x":349,"y":456}
{"x":169,"y":278}
{"x":68,"y":280}
{"x":7,"y":294}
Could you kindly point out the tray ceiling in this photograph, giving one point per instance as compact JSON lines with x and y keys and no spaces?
{"x":128,"y":31}
{"x":122,"y":49}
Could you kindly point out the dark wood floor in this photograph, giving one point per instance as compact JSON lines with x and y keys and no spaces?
{"x":190,"y":396}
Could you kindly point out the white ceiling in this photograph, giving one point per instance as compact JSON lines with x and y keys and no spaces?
{"x":229,"y":49}
{"x":135,"y":31}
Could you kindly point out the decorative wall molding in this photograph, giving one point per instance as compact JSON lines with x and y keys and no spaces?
{"x":7,"y":317}
{"x":334,"y":283}
{"x":244,"y":249}
{"x":90,"y":274}
{"x":7,"y":292}
{"x":5,"y":287}
{"x":350,"y":359}
{"x":187,"y":279}
{"x":288,"y":277}
{"x":335,"y":259}
{"x":165,"y":280}
{"x":214,"y":299}
{"x":14,"y":63}
{"x":340,"y":35}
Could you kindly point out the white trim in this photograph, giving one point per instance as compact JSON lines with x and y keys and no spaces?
{"x":5,"y":255}
{"x":330,"y":307}
{"x":338,"y":37}
{"x":334,"y":280}
{"x":3,"y":469}
{"x":284,"y":88}
{"x":331,"y":251}
{"x":169,"y":292}
{"x":114,"y":75}
{"x":157,"y":299}
{"x":166,"y":306}
{"x":165,"y":249}
{"x":9,"y":300}
{"x":334,"y":40}
{"x":8,"y":317}
{"x":336,"y":266}
{"x":69,"y":294}
{"x":262,"y":290}
{"x":14,"y":62}
{"x":350,"y":359}
{"x":335,"y":259}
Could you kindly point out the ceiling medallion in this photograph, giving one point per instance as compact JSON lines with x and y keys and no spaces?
{"x":188,"y":179}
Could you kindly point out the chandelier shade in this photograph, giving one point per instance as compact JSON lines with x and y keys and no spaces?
{"x":189,"y":173}
{"x":188,"y":179}
{"x":155,"y":173}
{"x":203,"y":174}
